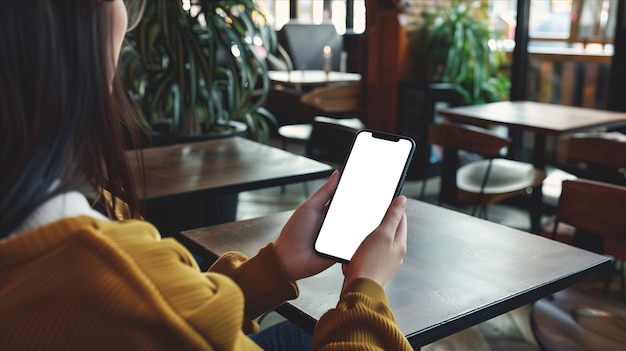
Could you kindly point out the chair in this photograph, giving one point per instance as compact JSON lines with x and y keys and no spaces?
{"x":597,"y":156}
{"x":594,"y":156}
{"x":593,"y":209}
{"x":285,"y":104}
{"x":567,"y":320}
{"x":304,"y":43}
{"x":280,"y":60}
{"x":329,"y":141}
{"x":340,"y":101}
{"x":418,"y":106}
{"x":486,"y":181}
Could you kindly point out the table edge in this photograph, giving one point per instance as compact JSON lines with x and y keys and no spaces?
{"x":255,"y":185}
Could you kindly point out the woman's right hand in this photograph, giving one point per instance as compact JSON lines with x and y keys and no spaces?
{"x":381,"y":254}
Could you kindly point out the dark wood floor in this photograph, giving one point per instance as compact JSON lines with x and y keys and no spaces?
{"x":510,"y":332}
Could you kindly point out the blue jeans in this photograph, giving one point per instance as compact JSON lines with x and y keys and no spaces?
{"x":283,"y":336}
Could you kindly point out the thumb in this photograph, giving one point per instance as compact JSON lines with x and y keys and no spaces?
{"x":394,"y":214}
{"x":325,"y":192}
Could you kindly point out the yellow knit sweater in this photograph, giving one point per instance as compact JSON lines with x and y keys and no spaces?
{"x":87,"y":284}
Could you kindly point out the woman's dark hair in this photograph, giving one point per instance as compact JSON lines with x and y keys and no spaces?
{"x":60,"y":124}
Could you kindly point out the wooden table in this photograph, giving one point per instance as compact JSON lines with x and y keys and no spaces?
{"x":181,"y":179}
{"x":542,"y":119}
{"x":459,"y":270}
{"x":312,"y":77}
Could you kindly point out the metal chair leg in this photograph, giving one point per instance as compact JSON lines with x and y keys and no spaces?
{"x":477,"y":204}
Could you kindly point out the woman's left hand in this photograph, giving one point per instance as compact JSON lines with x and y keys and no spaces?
{"x":294,"y":246}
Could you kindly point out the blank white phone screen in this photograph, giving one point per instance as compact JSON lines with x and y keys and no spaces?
{"x":367,"y":186}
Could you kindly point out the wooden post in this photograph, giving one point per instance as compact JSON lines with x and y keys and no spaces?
{"x":386,"y":51}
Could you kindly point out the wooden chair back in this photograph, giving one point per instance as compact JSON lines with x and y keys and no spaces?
{"x":333,"y":99}
{"x":330,"y":142}
{"x":602,"y":149}
{"x":469,"y":138}
{"x":595,"y":207}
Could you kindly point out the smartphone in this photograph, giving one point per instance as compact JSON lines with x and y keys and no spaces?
{"x":372,"y":177}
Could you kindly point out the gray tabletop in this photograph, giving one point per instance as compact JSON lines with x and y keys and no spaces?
{"x":459,"y":270}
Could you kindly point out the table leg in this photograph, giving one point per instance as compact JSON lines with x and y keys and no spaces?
{"x":539,"y":161}
{"x":173,"y":214}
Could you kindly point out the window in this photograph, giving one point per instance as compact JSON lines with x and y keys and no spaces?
{"x":550,"y":19}
{"x":279,"y":12}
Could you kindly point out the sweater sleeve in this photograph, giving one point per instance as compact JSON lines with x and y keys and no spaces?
{"x":362,"y":320}
{"x":261,"y":278}
{"x":213,"y":304}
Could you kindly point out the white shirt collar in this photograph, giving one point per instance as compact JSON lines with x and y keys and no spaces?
{"x":65,"y":205}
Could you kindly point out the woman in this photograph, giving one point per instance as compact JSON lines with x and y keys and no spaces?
{"x":72,"y":277}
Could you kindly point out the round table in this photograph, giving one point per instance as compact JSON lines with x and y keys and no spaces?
{"x":312,"y":77}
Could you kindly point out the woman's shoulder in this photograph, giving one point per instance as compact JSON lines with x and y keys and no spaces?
{"x":121,"y":272}
{"x":143,"y":243}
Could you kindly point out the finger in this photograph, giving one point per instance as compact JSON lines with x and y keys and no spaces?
{"x":394,"y":215}
{"x":325,"y":192}
{"x":401,"y":235}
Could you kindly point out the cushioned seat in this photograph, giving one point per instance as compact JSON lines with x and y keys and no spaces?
{"x":505,"y":176}
{"x":302,"y":132}
{"x":486,"y":181}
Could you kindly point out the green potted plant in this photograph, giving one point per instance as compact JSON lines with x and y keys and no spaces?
{"x":452,"y":45}
{"x":196,"y":66}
